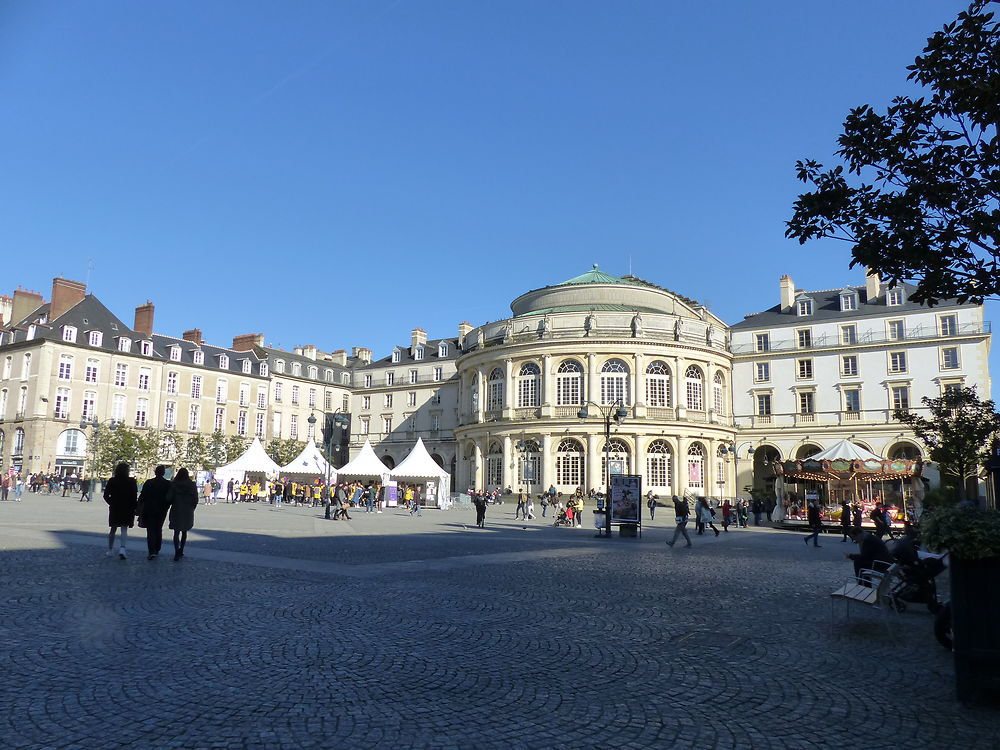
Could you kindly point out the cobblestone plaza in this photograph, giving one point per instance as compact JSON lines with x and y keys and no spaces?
{"x":282,"y":630}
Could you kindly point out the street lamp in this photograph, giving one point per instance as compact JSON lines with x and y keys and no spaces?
{"x":96,"y":425}
{"x":341,"y":420}
{"x":734,"y":451}
{"x":616,"y":412}
{"x":523,"y":446}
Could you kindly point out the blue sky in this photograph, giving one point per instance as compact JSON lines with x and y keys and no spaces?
{"x":337,"y":173}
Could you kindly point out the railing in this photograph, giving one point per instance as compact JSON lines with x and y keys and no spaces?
{"x":601,"y":332}
{"x":833,"y":341}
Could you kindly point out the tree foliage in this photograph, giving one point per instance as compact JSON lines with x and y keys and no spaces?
{"x":920,"y":199}
{"x":284,"y":451}
{"x":957,"y":433}
{"x":140,"y":449}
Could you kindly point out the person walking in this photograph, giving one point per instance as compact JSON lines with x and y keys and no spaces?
{"x":529,"y":508}
{"x":812,"y":515}
{"x":230,"y":495}
{"x":86,"y":488}
{"x":182,"y":497}
{"x":121,"y":494}
{"x":651,"y":504}
{"x":845,"y":521}
{"x":520,"y":509}
{"x":153,"y":510}
{"x":681,"y":513}
{"x":727,"y":515}
{"x":706,"y":516}
{"x":480,"y":502}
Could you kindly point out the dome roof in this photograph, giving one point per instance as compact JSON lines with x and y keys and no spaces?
{"x":595,"y":276}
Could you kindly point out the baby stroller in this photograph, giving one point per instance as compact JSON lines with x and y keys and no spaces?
{"x":914,"y":579}
{"x":565,"y":518}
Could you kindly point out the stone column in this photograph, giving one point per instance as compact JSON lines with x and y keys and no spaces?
{"x":548,"y":467}
{"x":548,"y":390}
{"x":508,"y":389}
{"x":477,"y":465}
{"x":593,"y":380}
{"x":639,"y":457}
{"x":639,"y":379}
{"x":509,"y":464}
{"x":595,"y":451}
{"x":677,"y":385}
{"x":481,"y":401}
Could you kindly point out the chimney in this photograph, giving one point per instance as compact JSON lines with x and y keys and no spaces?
{"x":339,"y":357}
{"x":65,"y":294}
{"x":418,"y":337}
{"x":25,"y":303}
{"x":144,"y":319}
{"x":309,"y":352}
{"x":194,"y":336}
{"x":463,"y":330}
{"x":873,"y":286}
{"x":247,"y":341}
{"x":6,"y":309}
{"x":362,"y":355}
{"x":787,"y":287}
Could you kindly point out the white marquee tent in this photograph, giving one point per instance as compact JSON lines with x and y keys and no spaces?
{"x":310,"y":461}
{"x":254,"y":460}
{"x":418,"y":466}
{"x":365,"y":465}
{"x":845,"y":450}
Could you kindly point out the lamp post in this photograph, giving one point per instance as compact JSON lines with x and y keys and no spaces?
{"x":616,"y":412}
{"x":95,"y":424}
{"x":341,"y":420}
{"x":522,"y":446}
{"x":734,"y":451}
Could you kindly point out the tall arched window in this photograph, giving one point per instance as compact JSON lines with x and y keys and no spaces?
{"x":696,"y":466}
{"x":18,"y":442}
{"x":658,"y":384}
{"x":3,"y":439}
{"x":569,"y":463}
{"x":615,"y":383}
{"x":569,"y":383}
{"x":494,"y":390}
{"x":695,"y":388}
{"x":659,"y":468}
{"x":719,"y":393}
{"x":527,"y":385}
{"x":494,"y":466}
{"x":617,"y":451}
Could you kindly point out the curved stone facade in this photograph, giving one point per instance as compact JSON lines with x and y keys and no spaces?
{"x":591,"y":341}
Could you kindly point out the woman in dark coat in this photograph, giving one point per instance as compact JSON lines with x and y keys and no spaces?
{"x":182,"y":497}
{"x":121,"y":494}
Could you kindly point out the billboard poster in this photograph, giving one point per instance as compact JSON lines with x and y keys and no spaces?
{"x":626,"y":497}
{"x":391,"y":494}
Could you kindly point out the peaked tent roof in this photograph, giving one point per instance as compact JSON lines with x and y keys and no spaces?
{"x":418,"y":464}
{"x":845,"y":450}
{"x":309,"y":461}
{"x":365,"y":464}
{"x":254,"y":458}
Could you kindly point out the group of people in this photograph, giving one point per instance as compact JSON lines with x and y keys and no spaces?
{"x":13,"y":485}
{"x":159,"y":499}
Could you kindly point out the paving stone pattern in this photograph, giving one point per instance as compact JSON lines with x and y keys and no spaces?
{"x":282,"y":630}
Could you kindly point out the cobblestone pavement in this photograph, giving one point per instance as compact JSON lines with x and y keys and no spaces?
{"x":282,"y":630}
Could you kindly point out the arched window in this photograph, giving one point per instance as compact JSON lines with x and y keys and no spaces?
{"x":279,"y":366}
{"x":313,"y":372}
{"x":618,"y":453}
{"x":527,"y":385}
{"x":296,"y":369}
{"x":3,"y":439}
{"x":695,"y":388}
{"x":615,"y":383}
{"x":659,"y":466}
{"x":696,"y":466}
{"x":904,"y":452}
{"x":529,"y":469}
{"x":804,"y":451}
{"x":658,"y":384}
{"x":569,"y":463}
{"x":389,"y":461}
{"x":719,"y":393}
{"x":569,"y":383}
{"x":495,"y":390}
{"x":18,"y":442}
{"x":494,"y":466}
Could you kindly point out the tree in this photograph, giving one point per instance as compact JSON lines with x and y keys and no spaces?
{"x":284,"y":451}
{"x":925,"y":206}
{"x":195,"y":453}
{"x":236,"y":446}
{"x":139,"y":449}
{"x":957,"y":434}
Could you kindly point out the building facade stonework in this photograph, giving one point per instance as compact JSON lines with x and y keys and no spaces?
{"x":707,"y":406}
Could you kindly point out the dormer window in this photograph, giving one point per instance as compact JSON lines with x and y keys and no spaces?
{"x":804,"y":306}
{"x":223,"y":362}
{"x":69,"y":334}
{"x":296,"y":369}
{"x":328,"y":375}
{"x":31,"y":332}
{"x":442,"y":350}
{"x":396,"y":355}
{"x":418,"y":353}
{"x":263,"y":369}
{"x":345,"y":379}
{"x":146,"y":347}
{"x":848,"y":301}
{"x":247,"y":366}
{"x":175,"y":354}
{"x":199,"y":357}
{"x":95,"y":338}
{"x":894,"y":297}
{"x":279,"y":366}
{"x":124,"y":344}
{"x":313,"y":372}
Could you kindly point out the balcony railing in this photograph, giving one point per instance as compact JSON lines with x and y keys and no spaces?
{"x":869,"y":338}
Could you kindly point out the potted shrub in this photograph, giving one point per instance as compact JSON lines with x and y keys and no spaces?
{"x":971,"y":536}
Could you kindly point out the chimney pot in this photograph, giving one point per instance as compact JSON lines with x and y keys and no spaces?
{"x":65,"y":294}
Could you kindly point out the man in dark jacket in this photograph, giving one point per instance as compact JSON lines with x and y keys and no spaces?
{"x":153,"y":510}
{"x":872,"y":553}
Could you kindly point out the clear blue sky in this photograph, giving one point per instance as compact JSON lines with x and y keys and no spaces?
{"x":336,"y":173}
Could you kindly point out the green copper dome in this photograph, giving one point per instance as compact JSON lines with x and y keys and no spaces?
{"x":594,"y":276}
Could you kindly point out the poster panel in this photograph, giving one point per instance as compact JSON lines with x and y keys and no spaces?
{"x":391,"y":494}
{"x":626,"y":497}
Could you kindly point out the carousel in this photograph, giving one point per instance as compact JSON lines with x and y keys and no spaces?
{"x":846,"y":472}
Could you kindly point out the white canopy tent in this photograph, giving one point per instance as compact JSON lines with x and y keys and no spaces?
{"x":418,"y":466}
{"x":253,"y":460}
{"x":365,"y":465}
{"x":310,"y":461}
{"x":845,"y":450}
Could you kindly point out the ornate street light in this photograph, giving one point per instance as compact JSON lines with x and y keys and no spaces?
{"x":341,"y":420}
{"x":613,"y":412}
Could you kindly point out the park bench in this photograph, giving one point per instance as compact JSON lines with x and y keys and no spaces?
{"x":872,"y":588}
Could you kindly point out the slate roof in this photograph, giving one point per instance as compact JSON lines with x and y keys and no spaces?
{"x":826,"y":307}
{"x":406,"y":356}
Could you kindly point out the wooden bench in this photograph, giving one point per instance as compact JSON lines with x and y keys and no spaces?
{"x":872,"y":588}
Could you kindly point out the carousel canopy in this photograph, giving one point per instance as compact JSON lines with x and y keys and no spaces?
{"x":418,"y":465}
{"x":365,"y":464}
{"x":309,"y":461}
{"x":845,"y":450}
{"x":254,"y":458}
